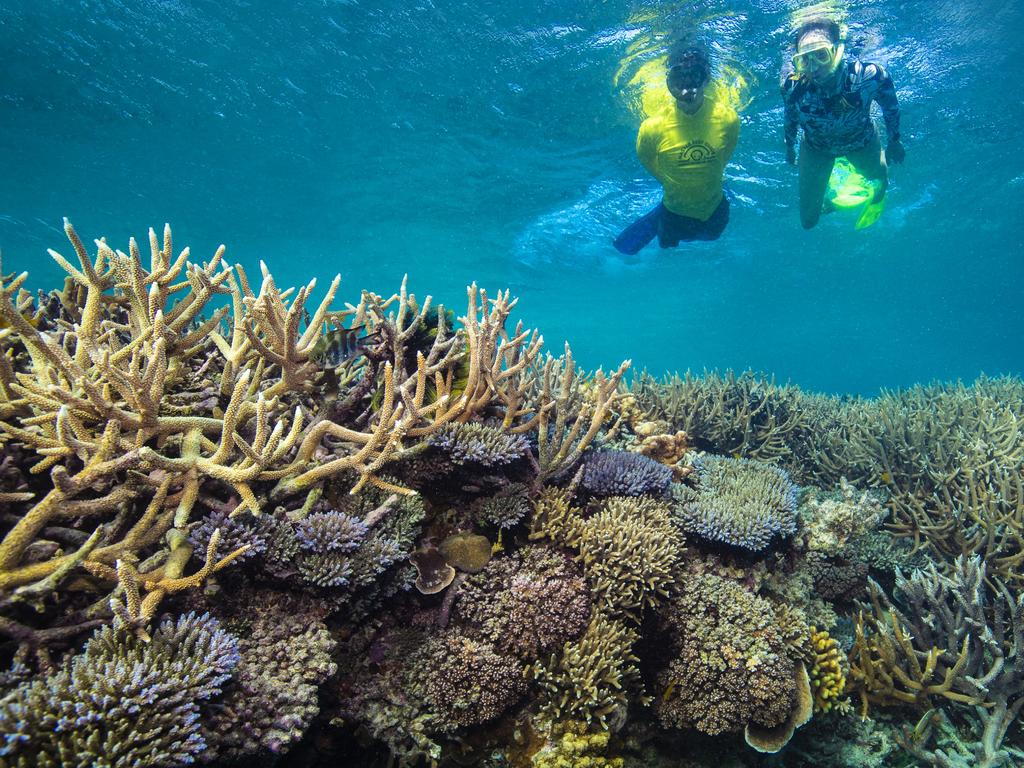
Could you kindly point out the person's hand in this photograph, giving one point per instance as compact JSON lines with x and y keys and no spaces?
{"x":791,"y":154}
{"x":895,"y":153}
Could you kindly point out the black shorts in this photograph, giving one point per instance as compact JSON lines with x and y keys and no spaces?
{"x":673,"y":228}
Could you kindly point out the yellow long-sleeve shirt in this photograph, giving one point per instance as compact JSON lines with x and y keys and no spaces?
{"x":688,"y":154}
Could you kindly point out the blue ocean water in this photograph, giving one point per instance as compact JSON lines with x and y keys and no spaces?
{"x":493,"y":142}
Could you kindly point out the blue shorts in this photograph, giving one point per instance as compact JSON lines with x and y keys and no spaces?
{"x":673,"y":228}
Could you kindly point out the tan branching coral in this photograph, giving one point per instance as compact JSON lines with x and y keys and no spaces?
{"x":591,"y":679}
{"x":143,"y":403}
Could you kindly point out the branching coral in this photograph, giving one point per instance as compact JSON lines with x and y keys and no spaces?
{"x":121,"y":701}
{"x":744,"y":415}
{"x":957,"y":640}
{"x":739,"y":502}
{"x":591,"y":679}
{"x":629,"y":550}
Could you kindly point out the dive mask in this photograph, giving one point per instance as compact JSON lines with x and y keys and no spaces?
{"x":687,"y":77}
{"x":818,"y":55}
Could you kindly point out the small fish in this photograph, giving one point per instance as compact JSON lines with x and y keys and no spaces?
{"x":341,"y":345}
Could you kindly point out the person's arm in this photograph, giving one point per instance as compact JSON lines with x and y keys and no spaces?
{"x":732,"y":134}
{"x":791,"y":117}
{"x":885,"y":95}
{"x":647,"y":148}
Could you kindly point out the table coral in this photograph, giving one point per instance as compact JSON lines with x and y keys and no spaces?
{"x":621,"y":473}
{"x":740,"y":502}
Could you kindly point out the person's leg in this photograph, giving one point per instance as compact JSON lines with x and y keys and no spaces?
{"x":672,"y":228}
{"x":713,"y":228}
{"x":638,"y":234}
{"x":870,"y":163}
{"x":815,"y":169}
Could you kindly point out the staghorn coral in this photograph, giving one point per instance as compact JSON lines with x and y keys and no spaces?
{"x":528,"y":603}
{"x":743,"y":415}
{"x":592,"y":679}
{"x":957,"y":639}
{"x":465,"y":682}
{"x":479,"y":444}
{"x":739,"y":502}
{"x":121,"y":701}
{"x":620,"y":473}
{"x":731,"y":665}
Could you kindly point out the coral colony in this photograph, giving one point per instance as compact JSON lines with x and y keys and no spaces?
{"x":243,"y":528}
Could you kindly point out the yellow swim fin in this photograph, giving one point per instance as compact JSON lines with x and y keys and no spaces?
{"x":870,"y":214}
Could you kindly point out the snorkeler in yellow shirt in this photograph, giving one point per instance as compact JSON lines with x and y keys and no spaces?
{"x":686,"y":147}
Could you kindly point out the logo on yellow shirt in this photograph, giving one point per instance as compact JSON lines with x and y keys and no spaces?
{"x":695,"y":153}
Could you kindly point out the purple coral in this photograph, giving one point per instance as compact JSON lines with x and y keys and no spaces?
{"x":621,"y":473}
{"x":330,"y":532}
{"x":235,"y":532}
{"x":479,"y":444}
{"x":93,"y":706}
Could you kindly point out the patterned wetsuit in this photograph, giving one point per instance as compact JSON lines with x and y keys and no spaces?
{"x":838,"y":120}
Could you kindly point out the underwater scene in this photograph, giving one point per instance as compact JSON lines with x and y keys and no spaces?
{"x":573,"y":383}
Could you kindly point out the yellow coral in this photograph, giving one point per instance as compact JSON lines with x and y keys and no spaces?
{"x":827,"y":678}
{"x":577,"y":748}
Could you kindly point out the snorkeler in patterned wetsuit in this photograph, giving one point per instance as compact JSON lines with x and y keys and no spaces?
{"x":830,"y":98}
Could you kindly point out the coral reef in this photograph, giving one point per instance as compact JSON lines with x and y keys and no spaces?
{"x":740,"y":502}
{"x":89,"y":712}
{"x":955,"y":639}
{"x":394,"y":535}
